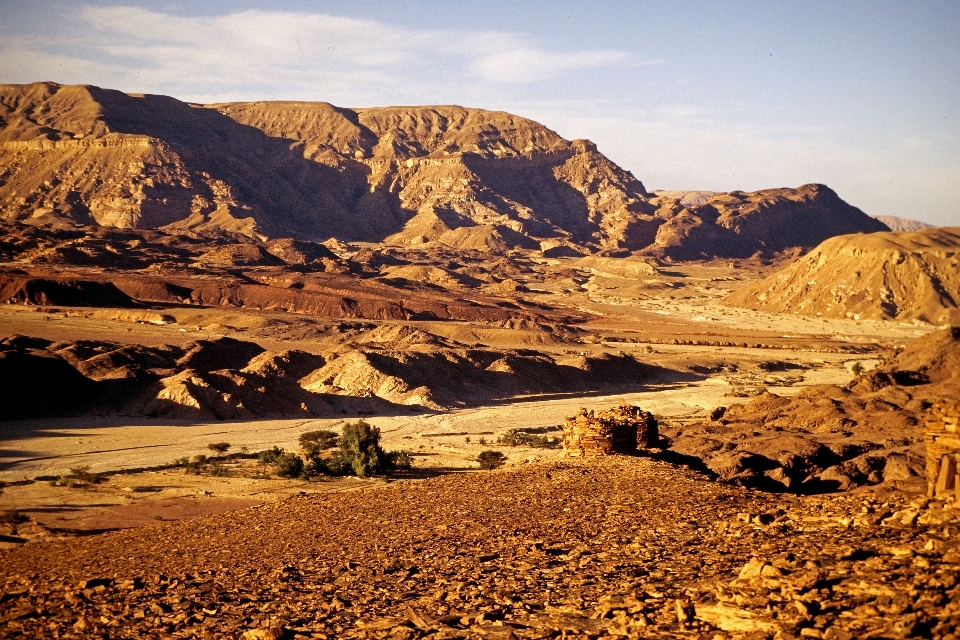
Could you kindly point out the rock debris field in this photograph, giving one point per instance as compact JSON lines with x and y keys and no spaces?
{"x":611,"y":547}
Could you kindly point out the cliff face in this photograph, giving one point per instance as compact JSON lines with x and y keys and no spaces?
{"x":893,"y":275}
{"x":468,"y":178}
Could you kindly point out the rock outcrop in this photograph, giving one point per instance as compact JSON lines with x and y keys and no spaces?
{"x":827,"y":437}
{"x":740,"y":224}
{"x":895,"y":276}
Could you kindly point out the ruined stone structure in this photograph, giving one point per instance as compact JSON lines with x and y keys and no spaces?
{"x":621,"y":429}
{"x":942,"y":436}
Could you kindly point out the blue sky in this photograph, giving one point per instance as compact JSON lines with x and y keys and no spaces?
{"x":864,"y":97}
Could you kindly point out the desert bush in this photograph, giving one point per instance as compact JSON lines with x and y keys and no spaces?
{"x":857,"y":368}
{"x":269,"y":456}
{"x":359,"y":449}
{"x":80,"y":476}
{"x":320,"y":440}
{"x":401,"y":459}
{"x":219,"y":447}
{"x":289,"y":465}
{"x":12,"y":516}
{"x":491,"y":459}
{"x":217,"y":469}
{"x":515,"y":438}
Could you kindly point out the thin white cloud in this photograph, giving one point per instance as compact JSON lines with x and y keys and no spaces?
{"x":529,"y":65}
{"x":283,"y":54}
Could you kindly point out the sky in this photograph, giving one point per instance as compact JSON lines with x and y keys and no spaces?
{"x":861,"y":96}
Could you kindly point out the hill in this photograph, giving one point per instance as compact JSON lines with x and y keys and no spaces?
{"x":467,"y":178}
{"x":896,"y":223}
{"x":894,"y":275}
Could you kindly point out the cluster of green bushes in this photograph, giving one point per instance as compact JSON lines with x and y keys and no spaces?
{"x":356,"y":451}
{"x":516,"y":438}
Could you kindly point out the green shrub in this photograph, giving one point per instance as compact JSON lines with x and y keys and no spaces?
{"x":857,"y":368}
{"x":515,"y":438}
{"x":401,"y":459}
{"x":359,"y":449}
{"x":318,"y":440}
{"x":491,"y":459}
{"x":219,"y":447}
{"x":269,"y":456}
{"x":289,"y":465}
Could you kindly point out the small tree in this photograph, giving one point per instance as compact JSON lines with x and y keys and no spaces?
{"x":289,"y":465}
{"x":491,"y":460}
{"x":219,"y":447}
{"x":359,"y":449}
{"x":401,"y":459}
{"x":318,"y":440}
{"x":857,"y":368}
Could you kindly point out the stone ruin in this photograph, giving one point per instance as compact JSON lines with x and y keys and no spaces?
{"x":942,"y":436}
{"x":621,"y":429}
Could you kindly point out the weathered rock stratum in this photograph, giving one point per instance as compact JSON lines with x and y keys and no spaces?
{"x":894,"y":276}
{"x":467,"y":178}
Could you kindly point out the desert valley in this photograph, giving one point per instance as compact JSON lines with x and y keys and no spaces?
{"x":202,"y":301}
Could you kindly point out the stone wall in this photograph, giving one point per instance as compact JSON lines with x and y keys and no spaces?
{"x":621,"y":430}
{"x":942,"y":436}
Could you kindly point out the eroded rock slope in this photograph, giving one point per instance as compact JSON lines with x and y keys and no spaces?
{"x":894,"y":276}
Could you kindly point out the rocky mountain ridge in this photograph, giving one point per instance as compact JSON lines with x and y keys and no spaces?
{"x":467,"y":178}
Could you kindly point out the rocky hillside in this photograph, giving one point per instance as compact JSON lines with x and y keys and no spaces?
{"x":468,"y":178}
{"x":902,"y":276}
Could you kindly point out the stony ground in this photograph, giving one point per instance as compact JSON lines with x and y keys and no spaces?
{"x":612,"y":547}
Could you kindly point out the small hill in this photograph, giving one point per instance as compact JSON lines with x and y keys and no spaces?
{"x":897,"y":223}
{"x":894,"y":276}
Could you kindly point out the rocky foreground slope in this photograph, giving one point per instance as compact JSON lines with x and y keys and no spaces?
{"x":893,"y":276}
{"x":468,"y":178}
{"x":615,"y":547}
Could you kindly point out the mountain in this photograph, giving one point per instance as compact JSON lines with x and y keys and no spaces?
{"x":894,"y":275}
{"x":739,"y":224}
{"x":897,"y":223}
{"x":468,"y":178}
